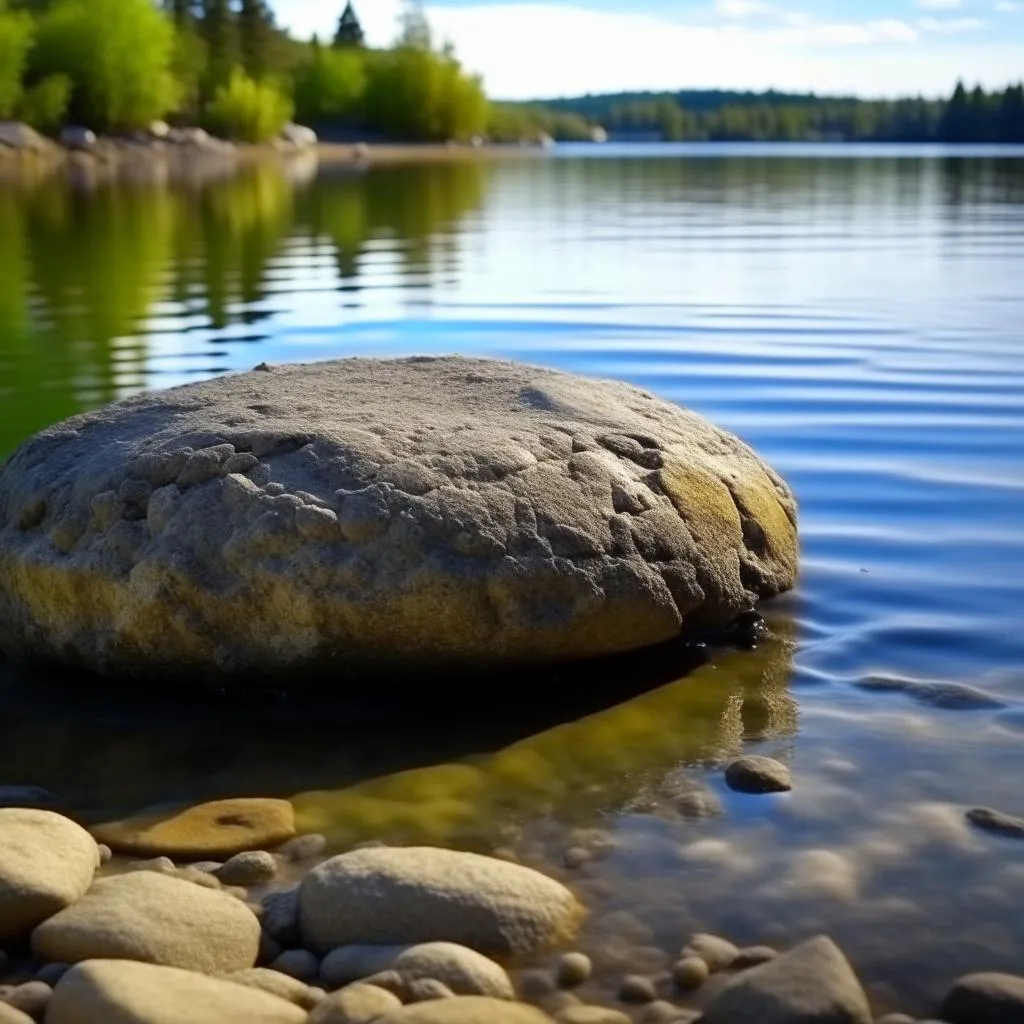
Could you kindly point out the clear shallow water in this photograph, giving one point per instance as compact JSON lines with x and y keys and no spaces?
{"x":857,"y":315}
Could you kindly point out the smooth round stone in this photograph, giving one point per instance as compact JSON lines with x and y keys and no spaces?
{"x":751,"y":956}
{"x":50,"y":974}
{"x":985,"y":998}
{"x":464,"y":971}
{"x":281,"y":916}
{"x":691,"y":972}
{"x":298,"y":963}
{"x":32,"y":998}
{"x":356,"y":1004}
{"x":635,"y":988}
{"x":423,"y":990}
{"x":253,"y":867}
{"x":278,"y":984}
{"x":303,"y":847}
{"x":716,"y":952}
{"x":573,"y":969}
{"x":10,"y":1015}
{"x":215,"y":830}
{"x":755,"y":774}
{"x":381,"y":515}
{"x":591,"y":1015}
{"x":989,"y":820}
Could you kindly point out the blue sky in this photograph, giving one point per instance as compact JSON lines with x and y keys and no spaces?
{"x":540,"y":48}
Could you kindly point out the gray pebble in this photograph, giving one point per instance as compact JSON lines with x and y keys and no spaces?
{"x":303,"y":847}
{"x":752,"y":956}
{"x":535,"y":985}
{"x":162,"y":864}
{"x":281,"y":917}
{"x":691,"y":972}
{"x":424,"y":990}
{"x":635,"y":988}
{"x":755,"y":774}
{"x":556,"y":1002}
{"x":576,"y":856}
{"x":662,"y":1012}
{"x":1002,"y":824}
{"x":50,"y":974}
{"x":32,"y":998}
{"x":106,"y":853}
{"x":573,"y":969}
{"x":254,"y":867}
{"x":298,"y":963}
{"x":270,"y":949}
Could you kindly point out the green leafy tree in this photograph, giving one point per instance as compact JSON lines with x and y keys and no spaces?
{"x":117,"y":56}
{"x":16,"y":32}
{"x":248,"y":110}
{"x":330,"y":85}
{"x":350,"y":31}
{"x":45,"y":104}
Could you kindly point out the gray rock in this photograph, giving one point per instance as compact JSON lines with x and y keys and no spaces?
{"x":755,"y":774}
{"x":391,"y":895}
{"x":298,"y":963}
{"x":46,"y":863}
{"x":77,"y":137}
{"x":355,"y":962}
{"x":50,"y":974}
{"x":122,"y":992}
{"x":573,"y":969}
{"x":466,"y":1010}
{"x":751,"y":956}
{"x":253,"y":867}
{"x":1002,"y":824}
{"x":465,"y":513}
{"x":16,"y":135}
{"x":303,"y":847}
{"x":281,"y":916}
{"x":716,"y":952}
{"x":105,"y":852}
{"x":985,"y":998}
{"x":27,"y":796}
{"x":934,"y":693}
{"x":635,"y":988}
{"x":153,"y":918}
{"x":463,"y":970}
{"x":356,"y":1004}
{"x":813,"y":983}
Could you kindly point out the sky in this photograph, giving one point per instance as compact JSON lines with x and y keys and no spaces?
{"x":529,"y":49}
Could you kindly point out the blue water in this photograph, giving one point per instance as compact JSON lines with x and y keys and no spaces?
{"x":856,"y":314}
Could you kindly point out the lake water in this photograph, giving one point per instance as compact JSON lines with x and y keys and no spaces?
{"x":857,"y":314}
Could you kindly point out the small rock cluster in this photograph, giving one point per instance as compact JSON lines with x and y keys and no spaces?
{"x":378,"y":934}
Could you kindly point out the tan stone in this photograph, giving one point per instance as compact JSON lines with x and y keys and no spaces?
{"x":156,"y":919}
{"x":46,"y":863}
{"x":466,"y":1010}
{"x":356,"y":1004}
{"x":120,"y":992}
{"x":213,"y":830}
{"x":278,"y":984}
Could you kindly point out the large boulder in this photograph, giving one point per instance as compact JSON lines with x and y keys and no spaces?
{"x":379,"y":514}
{"x":155,"y":919}
{"x":119,"y":992}
{"x":396,"y":896}
{"x":811,"y":984}
{"x":46,"y":863}
{"x":985,"y":998}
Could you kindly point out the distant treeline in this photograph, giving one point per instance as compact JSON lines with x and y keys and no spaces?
{"x":967,"y":116}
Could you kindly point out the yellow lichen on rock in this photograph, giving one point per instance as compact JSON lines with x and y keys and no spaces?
{"x":213,"y":830}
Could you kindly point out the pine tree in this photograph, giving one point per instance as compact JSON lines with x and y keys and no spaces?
{"x":414,"y":31}
{"x":218,"y":32}
{"x":350,"y":32}
{"x":955,"y":125}
{"x":255,"y":36}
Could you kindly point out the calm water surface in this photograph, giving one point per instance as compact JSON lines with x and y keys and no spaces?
{"x":857,"y":315}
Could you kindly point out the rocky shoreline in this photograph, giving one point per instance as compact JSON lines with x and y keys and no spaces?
{"x":252,"y":922}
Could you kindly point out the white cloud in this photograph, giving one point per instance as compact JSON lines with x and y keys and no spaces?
{"x":529,"y":49}
{"x":1008,"y":6}
{"x":951,"y":26}
{"x":740,"y":8}
{"x":939,"y":5}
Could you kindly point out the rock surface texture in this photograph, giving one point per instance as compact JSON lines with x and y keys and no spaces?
{"x":380,"y":514}
{"x":985,"y":998}
{"x":119,"y":992}
{"x":393,"y":895}
{"x":156,"y":919}
{"x":811,"y":984}
{"x":46,"y":863}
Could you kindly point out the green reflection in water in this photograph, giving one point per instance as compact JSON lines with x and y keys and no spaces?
{"x":89,"y":275}
{"x":575,"y":771}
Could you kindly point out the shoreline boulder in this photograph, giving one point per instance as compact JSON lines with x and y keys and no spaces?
{"x":362,"y":515}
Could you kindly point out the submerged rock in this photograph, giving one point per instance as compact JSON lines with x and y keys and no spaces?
{"x":381,"y":514}
{"x":1002,"y":824}
{"x":218,"y":829}
{"x":755,"y":774}
{"x":395,"y":896}
{"x":811,"y":984}
{"x":986,"y":998}
{"x":120,"y":992}
{"x":935,"y":693}
{"x":47,"y":862}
